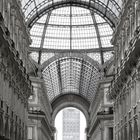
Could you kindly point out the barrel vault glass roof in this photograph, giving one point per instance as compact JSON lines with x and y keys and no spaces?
{"x":67,"y":31}
{"x":71,"y":75}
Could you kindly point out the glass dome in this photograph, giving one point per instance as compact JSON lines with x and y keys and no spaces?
{"x":72,"y":29}
{"x":71,"y":46}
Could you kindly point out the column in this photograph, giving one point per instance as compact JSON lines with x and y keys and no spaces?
{"x":137,"y":13}
{"x":129,"y":97}
{"x":17,"y":35}
{"x":8,"y":15}
{"x":19,"y":136}
{"x":135,"y":97}
{"x":139,"y":120}
{"x":130,"y":130}
{"x":1,"y":121}
{"x":135,"y":129}
{"x":125,"y":132}
{"x":13,"y":26}
{"x":16,"y":129}
{"x":123,"y":43}
{"x":22,"y":138}
{"x":132,"y":93}
{"x":127,"y":25}
{"x":131,"y":20}
{"x":106,"y":133}
{"x":132,"y":126}
{"x":2,"y":87}
{"x":21,"y":45}
{"x":138,"y":86}
{"x":117,"y":112}
{"x":5,"y":11}
{"x":102,"y":131}
{"x":1,"y":6}
{"x":127,"y":100}
{"x":120,"y":109}
{"x":12,"y":127}
{"x":6,"y":127}
{"x":4,"y":8}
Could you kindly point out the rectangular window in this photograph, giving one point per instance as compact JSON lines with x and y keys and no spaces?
{"x":30,"y":133}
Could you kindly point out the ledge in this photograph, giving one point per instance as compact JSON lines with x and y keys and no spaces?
{"x":97,"y":121}
{"x":40,"y":115}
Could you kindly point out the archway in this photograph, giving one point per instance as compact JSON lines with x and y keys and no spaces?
{"x":70,"y":123}
{"x":70,"y":100}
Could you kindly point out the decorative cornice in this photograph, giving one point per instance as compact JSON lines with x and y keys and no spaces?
{"x":41,"y":116}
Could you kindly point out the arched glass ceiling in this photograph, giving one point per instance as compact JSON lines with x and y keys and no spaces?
{"x":71,"y":75}
{"x":66,"y":32}
{"x":71,"y":29}
{"x":34,"y":9}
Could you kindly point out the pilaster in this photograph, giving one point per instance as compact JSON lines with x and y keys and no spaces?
{"x":1,"y":121}
{"x":139,"y":120}
{"x":137,"y":13}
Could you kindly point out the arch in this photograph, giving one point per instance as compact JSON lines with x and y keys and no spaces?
{"x":97,"y":6}
{"x":70,"y":100}
{"x":73,"y":55}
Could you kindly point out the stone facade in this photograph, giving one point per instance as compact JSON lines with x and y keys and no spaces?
{"x":101,"y":115}
{"x":124,"y":90}
{"x":15,"y":86}
{"x":39,"y":119}
{"x":114,"y":116}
